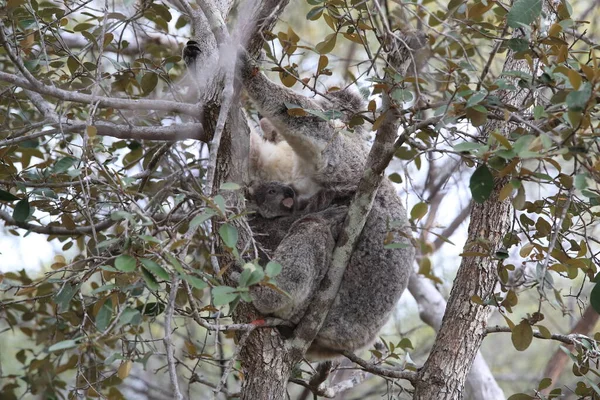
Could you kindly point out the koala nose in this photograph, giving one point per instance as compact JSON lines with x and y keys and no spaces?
{"x":289,"y":192}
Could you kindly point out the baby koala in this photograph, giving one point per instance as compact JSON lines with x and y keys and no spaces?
{"x":277,"y":207}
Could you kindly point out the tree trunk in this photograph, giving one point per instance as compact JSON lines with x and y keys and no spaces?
{"x":267,"y":366}
{"x":480,"y":381}
{"x":266,"y":363}
{"x":463,"y":327}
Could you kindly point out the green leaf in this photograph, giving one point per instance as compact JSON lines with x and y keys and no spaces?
{"x":326,"y":115}
{"x":482,"y":184}
{"x":220,"y":202}
{"x":468,"y":146}
{"x":595,"y":298}
{"x":64,"y":296}
{"x":21,"y":211}
{"x":256,"y":276}
{"x":402,"y":95}
{"x":175,"y":263}
{"x":121,"y":214}
{"x":395,"y":177}
{"x":476,"y":98}
{"x":544,"y":383}
{"x":83,"y":27}
{"x":152,"y":308}
{"x":273,"y":269}
{"x":156,"y":269}
{"x":244,"y":277}
{"x":418,"y":211}
{"x":63,"y":165}
{"x":229,"y":234}
{"x":223,"y":295}
{"x":200,"y":219}
{"x":125,"y":263}
{"x":477,"y":114}
{"x":315,"y":13}
{"x":129,"y":316}
{"x":6,"y":196}
{"x":523,"y":13}
{"x":581,"y":181}
{"x":327,"y":45}
{"x":195,"y":282}
{"x":149,"y":81}
{"x":62,"y":345}
{"x":405,"y":343}
{"x":181,"y":22}
{"x":150,"y":280}
{"x":522,"y":335}
{"x":577,"y":99}
{"x":518,"y":44}
{"x":544,"y":332}
{"x":104,"y":315}
{"x":230,"y":186}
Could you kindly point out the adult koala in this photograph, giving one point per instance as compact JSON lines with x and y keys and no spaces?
{"x":376,"y":275}
{"x":324,"y":157}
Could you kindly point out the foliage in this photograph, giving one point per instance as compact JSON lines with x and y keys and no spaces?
{"x":131,"y":217}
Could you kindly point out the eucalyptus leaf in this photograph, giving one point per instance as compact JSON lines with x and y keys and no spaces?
{"x":523,"y":13}
{"x":481,"y":184}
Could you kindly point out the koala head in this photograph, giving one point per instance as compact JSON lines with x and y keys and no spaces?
{"x":273,"y":199}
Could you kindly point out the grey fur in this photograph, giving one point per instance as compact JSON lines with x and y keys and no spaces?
{"x":272,"y":220}
{"x":376,"y":276}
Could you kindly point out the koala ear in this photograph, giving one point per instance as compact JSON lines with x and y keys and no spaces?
{"x":288,"y":202}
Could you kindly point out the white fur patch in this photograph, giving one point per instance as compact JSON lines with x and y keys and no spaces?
{"x":279,"y":162}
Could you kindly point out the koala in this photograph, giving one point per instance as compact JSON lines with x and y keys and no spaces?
{"x":313,"y":156}
{"x":277,"y":208}
{"x":277,"y":161}
{"x":377,"y":274}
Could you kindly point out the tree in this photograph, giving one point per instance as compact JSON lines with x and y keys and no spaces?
{"x":132,"y":166}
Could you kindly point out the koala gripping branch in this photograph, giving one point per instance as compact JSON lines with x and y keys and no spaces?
{"x":378,"y":159}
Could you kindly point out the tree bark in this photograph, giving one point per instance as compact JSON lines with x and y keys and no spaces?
{"x":463,"y":327}
{"x":480,"y":381}
{"x":265,"y":361}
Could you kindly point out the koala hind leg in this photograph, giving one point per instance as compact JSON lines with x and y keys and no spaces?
{"x":305,"y":255}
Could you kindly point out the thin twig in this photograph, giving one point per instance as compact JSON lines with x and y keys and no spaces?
{"x":167,"y":339}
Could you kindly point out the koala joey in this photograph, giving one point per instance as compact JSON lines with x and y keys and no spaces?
{"x":277,"y":207}
{"x":377,"y":274}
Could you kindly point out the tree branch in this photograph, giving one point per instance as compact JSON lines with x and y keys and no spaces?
{"x":102,"y":101}
{"x":167,"y":339}
{"x":566,"y":339}
{"x":169,"y":133}
{"x":410,"y":376}
{"x":56,"y":230}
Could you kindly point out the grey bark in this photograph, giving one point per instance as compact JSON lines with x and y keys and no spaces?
{"x":480,"y":381}
{"x":463,"y":328}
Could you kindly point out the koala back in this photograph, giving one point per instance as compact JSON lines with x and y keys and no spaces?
{"x":374,"y":280}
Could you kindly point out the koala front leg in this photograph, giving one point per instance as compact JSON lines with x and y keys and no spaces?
{"x":304,"y":254}
{"x":308,"y":135}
